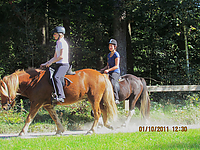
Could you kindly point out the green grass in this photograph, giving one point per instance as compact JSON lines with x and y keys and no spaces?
{"x":137,"y":140}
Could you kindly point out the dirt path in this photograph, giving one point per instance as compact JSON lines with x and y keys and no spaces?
{"x":102,"y":130}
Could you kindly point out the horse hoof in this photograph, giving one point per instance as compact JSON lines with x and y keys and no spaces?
{"x":99,"y":127}
{"x":110,"y":127}
{"x":21,"y":134}
{"x":123,"y":125}
{"x":59,"y":132}
{"x":89,"y":132}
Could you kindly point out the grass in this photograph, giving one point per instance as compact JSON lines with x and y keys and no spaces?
{"x":136,"y":140}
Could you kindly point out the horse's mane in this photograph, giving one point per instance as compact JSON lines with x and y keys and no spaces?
{"x":10,"y":84}
{"x":19,"y":71}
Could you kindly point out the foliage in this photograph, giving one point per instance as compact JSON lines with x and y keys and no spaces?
{"x":175,"y":114}
{"x":157,"y":39}
{"x":12,"y":119}
{"x":155,"y":43}
{"x":13,"y":116}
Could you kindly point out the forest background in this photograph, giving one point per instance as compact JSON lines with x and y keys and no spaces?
{"x":159,"y":39}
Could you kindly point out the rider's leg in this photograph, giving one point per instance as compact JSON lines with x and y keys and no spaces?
{"x":60,"y":72}
{"x":114,"y":78}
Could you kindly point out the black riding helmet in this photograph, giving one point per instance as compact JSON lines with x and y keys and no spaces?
{"x":113,"y":41}
{"x":59,"y":29}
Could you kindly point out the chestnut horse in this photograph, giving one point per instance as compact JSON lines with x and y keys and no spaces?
{"x":34,"y":84}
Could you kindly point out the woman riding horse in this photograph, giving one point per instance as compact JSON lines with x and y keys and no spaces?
{"x":112,"y":67}
{"x":61,"y":60}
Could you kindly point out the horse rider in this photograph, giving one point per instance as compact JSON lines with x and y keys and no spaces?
{"x":112,"y":68}
{"x":61,"y":59}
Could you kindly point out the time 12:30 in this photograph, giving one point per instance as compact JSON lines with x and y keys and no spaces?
{"x":179,"y":128}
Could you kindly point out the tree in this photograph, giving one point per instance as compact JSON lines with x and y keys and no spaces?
{"x":120,"y":30}
{"x":149,"y":34}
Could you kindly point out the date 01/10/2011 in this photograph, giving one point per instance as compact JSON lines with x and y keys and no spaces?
{"x":162,"y":128}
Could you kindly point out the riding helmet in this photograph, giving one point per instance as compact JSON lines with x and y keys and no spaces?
{"x":113,"y":41}
{"x":59,"y":29}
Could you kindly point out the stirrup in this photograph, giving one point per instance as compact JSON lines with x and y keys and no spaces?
{"x":60,"y":100}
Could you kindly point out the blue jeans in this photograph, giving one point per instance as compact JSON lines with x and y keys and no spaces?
{"x":60,"y":71}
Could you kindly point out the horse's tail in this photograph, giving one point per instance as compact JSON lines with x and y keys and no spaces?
{"x":145,"y":101}
{"x":109,"y":100}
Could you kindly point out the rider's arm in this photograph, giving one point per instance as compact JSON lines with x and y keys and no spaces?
{"x":117,"y":60}
{"x":54,"y":59}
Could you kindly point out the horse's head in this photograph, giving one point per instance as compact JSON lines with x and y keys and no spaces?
{"x":8,"y":88}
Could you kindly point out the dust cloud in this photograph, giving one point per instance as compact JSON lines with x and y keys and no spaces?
{"x":139,"y":125}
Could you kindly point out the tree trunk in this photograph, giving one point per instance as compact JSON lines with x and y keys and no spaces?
{"x":130,"y":61}
{"x":120,"y":29}
{"x":187,"y":54}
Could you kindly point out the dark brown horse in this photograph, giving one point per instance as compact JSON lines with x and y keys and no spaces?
{"x":133,"y":88}
{"x":34,"y":84}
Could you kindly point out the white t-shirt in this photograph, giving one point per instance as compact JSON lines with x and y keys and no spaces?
{"x":62,"y":44}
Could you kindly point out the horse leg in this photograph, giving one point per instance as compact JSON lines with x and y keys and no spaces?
{"x":55,"y":118}
{"x":100,"y":122}
{"x":105,"y":119}
{"x":97,"y":114}
{"x":130,"y":113}
{"x":33,"y":110}
{"x":132,"y":101}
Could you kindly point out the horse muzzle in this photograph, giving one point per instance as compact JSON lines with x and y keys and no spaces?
{"x":8,"y":105}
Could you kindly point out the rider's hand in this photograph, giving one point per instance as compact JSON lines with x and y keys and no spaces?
{"x":44,"y":65}
{"x":106,"y":71}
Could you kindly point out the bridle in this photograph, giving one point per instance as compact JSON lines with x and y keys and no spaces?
{"x":9,"y":102}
